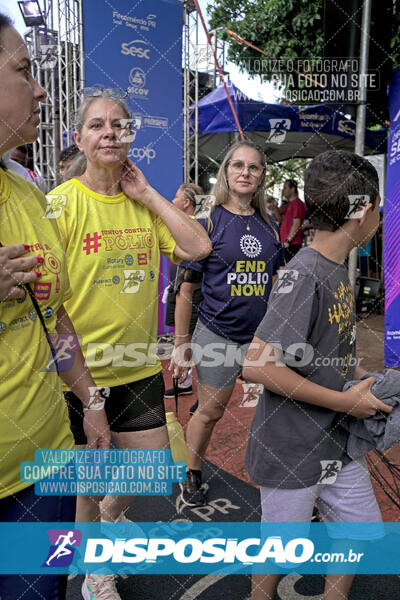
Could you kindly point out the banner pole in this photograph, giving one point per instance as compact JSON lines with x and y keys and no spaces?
{"x":221,"y":74}
{"x":361,"y":112}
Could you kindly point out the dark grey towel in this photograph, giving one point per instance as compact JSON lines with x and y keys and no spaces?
{"x":381,"y":431}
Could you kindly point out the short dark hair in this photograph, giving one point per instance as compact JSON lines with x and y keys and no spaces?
{"x":292,"y":183}
{"x":5,"y":21}
{"x":22,"y":148}
{"x":68,"y":152}
{"x":330,"y":179}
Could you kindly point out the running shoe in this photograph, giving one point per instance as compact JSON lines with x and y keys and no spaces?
{"x":182,"y":391}
{"x":193,"y":492}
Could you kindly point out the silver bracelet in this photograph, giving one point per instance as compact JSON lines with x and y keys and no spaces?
{"x":181,"y":335}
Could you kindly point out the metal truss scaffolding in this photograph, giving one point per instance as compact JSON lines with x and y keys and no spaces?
{"x":200,"y":75}
{"x":56,"y":49}
{"x":190,"y":92}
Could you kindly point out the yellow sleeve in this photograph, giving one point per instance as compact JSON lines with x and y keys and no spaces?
{"x":165,"y":240}
{"x":68,"y":290}
{"x":57,"y":205}
{"x":56,"y":212}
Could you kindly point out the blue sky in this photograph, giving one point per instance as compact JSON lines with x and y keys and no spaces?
{"x":11,"y":8}
{"x":251,"y":87}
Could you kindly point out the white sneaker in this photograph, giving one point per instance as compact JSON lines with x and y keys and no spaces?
{"x":131,"y":527}
{"x":100,"y":587}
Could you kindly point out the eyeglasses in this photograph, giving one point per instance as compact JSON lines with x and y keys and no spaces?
{"x":107,"y":92}
{"x":238,"y":166}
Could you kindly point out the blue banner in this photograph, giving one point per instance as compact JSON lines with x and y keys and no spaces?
{"x":137,"y":46}
{"x":392,"y":229}
{"x":183,"y":547}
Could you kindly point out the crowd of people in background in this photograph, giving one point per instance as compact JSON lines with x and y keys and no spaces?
{"x":20,"y":161}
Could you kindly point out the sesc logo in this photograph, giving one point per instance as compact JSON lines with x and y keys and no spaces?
{"x":136,"y":48}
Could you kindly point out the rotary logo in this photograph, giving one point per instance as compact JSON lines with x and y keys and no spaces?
{"x":250,"y":245}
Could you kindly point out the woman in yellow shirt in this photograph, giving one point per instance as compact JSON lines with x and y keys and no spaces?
{"x":32,"y":409}
{"x":114,"y":226}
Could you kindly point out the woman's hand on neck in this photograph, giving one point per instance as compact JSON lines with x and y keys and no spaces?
{"x":239,"y":204}
{"x":103,"y":180}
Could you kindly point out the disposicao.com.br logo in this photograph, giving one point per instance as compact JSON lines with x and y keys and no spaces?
{"x":193,"y":550}
{"x":185,"y":547}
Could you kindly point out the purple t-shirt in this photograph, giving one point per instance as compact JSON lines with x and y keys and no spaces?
{"x":237,"y":275}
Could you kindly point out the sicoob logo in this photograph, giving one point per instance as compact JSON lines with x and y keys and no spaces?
{"x":62,"y":547}
{"x":137,"y":79}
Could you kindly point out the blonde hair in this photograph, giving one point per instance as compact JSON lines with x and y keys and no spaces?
{"x":76,"y":167}
{"x":190,"y":191}
{"x":78,"y":164}
{"x":220,"y":189}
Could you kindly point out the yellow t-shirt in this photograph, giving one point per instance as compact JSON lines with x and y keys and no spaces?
{"x":113,"y":246}
{"x":33,"y":412}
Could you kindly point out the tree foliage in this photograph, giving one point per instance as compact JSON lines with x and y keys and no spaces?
{"x":277,"y":173}
{"x":285,"y":29}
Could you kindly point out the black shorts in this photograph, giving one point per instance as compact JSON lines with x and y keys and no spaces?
{"x":133,"y":406}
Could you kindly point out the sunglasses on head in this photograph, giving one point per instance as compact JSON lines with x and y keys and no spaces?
{"x":106,"y":92}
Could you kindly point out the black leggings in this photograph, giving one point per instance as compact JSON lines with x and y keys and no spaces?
{"x":133,"y":406}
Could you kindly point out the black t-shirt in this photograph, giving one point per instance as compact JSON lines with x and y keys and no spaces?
{"x":311,"y":317}
{"x":174,"y":287}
